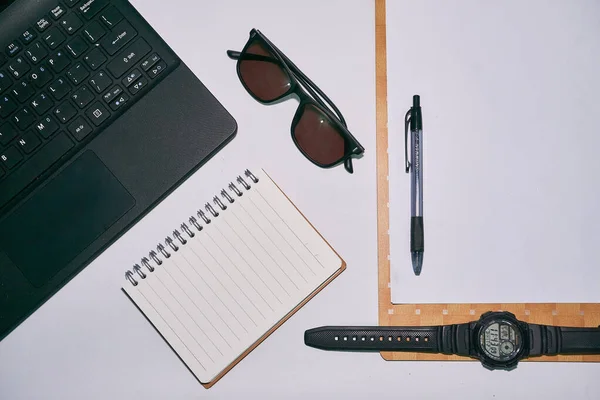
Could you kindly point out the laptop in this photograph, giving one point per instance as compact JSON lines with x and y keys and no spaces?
{"x":99,"y":121}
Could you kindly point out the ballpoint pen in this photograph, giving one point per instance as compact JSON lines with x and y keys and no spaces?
{"x":415,"y":119}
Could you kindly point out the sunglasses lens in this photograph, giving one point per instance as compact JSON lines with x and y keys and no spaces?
{"x":262,"y":73}
{"x":318,"y":137}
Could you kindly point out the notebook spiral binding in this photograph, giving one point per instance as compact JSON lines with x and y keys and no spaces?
{"x":172,"y":243}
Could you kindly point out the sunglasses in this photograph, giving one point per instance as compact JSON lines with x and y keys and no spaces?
{"x":318,"y":128}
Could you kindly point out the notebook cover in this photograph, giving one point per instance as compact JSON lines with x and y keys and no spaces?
{"x":208,"y":385}
{"x":390,"y":314}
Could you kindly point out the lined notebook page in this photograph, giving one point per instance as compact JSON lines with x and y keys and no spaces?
{"x":235,"y":279}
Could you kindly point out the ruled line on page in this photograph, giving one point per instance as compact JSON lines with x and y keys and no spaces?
{"x":290,"y":229}
{"x":265,"y":250}
{"x":270,"y":239}
{"x":292,"y":247}
{"x":192,"y":284}
{"x":225,"y":288}
{"x":249,"y":248}
{"x":250,"y":267}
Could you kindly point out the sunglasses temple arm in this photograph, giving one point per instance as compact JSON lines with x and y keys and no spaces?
{"x":236,"y":55}
{"x":302,"y":78}
{"x":319,"y":96}
{"x":305,"y":80}
{"x":310,"y":85}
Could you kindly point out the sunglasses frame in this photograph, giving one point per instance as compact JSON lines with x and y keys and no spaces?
{"x":309,"y":96}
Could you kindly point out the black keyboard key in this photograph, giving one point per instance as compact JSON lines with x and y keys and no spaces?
{"x":119,"y":101}
{"x":150,"y":61}
{"x":23,"y":91}
{"x":77,"y":73}
{"x":10,"y":157}
{"x":41,"y":103}
{"x":40,"y":76}
{"x":7,"y":106}
{"x":7,"y":133}
{"x":111,"y":16}
{"x":57,"y":12}
{"x":94,"y":59}
{"x":131,"y":77}
{"x":28,"y":36}
{"x":65,"y":112}
{"x":94,"y":31}
{"x":13,"y":48}
{"x":47,"y":126}
{"x":42,"y":24}
{"x":71,"y":23}
{"x":118,"y":37}
{"x":28,"y":142}
{"x":36,"y":52}
{"x":100,"y":82}
{"x":5,"y":82}
{"x":128,"y":57}
{"x":23,"y":118}
{"x":59,"y":88}
{"x":157,"y":69}
{"x":2,"y":59}
{"x":83,"y":96}
{"x":34,"y":167}
{"x":1,"y":173}
{"x":18,"y":67}
{"x":136,"y":87}
{"x":114,"y":92}
{"x":80,"y":128}
{"x":53,"y":38}
{"x":97,"y":113}
{"x":71,"y":3}
{"x":58,"y":61}
{"x":77,"y":46}
{"x":89,"y":8}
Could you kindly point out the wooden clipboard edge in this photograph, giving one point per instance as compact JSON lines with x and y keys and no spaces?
{"x":569,"y":314}
{"x":383,"y":195}
{"x":292,"y":312}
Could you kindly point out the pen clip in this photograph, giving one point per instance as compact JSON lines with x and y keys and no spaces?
{"x":406,"y":123}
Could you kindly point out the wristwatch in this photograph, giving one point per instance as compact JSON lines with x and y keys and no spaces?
{"x":498,"y":339}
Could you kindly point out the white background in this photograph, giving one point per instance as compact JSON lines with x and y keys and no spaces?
{"x":89,"y":341}
{"x":509,"y":92}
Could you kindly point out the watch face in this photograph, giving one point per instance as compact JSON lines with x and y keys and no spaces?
{"x":500,"y":340}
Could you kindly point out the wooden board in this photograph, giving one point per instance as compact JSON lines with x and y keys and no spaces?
{"x":565,"y":314}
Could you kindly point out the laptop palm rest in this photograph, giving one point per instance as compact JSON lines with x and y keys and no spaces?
{"x":57,"y":223}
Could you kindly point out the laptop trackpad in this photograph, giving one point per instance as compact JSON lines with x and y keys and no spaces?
{"x":62,"y":219}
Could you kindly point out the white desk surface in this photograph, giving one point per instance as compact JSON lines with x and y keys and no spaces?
{"x":89,"y":341}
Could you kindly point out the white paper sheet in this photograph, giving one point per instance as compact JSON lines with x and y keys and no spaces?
{"x":511,"y":112}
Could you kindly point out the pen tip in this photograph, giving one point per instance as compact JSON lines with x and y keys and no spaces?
{"x":417,"y":262}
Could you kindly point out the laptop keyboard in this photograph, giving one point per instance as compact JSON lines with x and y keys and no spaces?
{"x":62,"y":81}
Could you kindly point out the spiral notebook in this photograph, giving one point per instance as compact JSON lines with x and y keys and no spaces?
{"x":231,"y":274}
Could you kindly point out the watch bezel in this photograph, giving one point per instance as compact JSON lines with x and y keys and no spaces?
{"x":486,"y":360}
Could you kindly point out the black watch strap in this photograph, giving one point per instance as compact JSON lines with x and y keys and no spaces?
{"x":447,"y":339}
{"x":553,"y":340}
